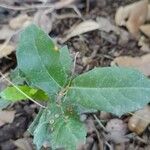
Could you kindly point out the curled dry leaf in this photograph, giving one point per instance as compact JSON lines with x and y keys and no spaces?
{"x":140,"y":120}
{"x":144,"y":44}
{"x":140,"y":63}
{"x":121,"y":15}
{"x":5,"y":50}
{"x":145,"y":29}
{"x":135,"y":14}
{"x":83,"y":27}
{"x":117,"y":130}
{"x":6,"y":117}
{"x":20,"y":21}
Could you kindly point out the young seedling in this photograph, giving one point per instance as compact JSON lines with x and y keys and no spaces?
{"x":47,"y":72}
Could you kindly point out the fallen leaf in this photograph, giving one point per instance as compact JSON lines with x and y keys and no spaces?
{"x":83,"y":27}
{"x":144,"y":44}
{"x":140,"y":63}
{"x":140,"y":120}
{"x":148,"y":14}
{"x":6,"y":117}
{"x":44,"y":21}
{"x":106,"y":25}
{"x":20,"y":21}
{"x":6,"y":32}
{"x":137,"y":17}
{"x":5,"y":50}
{"x":117,"y":130}
{"x":145,"y":29}
{"x":132,"y":16}
{"x":121,"y":15}
{"x":23,"y":144}
{"x":124,"y":37}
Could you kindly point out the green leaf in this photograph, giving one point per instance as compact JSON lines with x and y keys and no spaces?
{"x":66,"y":59}
{"x":66,"y":129}
{"x":39,"y":59}
{"x":17,"y":77}
{"x":41,"y":129}
{"x":12,"y":94}
{"x":34,"y":124}
{"x":4,"y":103}
{"x":111,"y":89}
{"x":58,"y":127}
{"x":67,"y":133}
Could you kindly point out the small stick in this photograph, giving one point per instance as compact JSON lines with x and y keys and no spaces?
{"x":100,"y":123}
{"x":74,"y":63}
{"x":57,"y":5}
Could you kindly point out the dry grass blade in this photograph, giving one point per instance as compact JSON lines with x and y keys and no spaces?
{"x":57,"y":5}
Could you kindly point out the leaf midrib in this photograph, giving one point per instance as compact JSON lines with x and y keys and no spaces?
{"x":106,"y":88}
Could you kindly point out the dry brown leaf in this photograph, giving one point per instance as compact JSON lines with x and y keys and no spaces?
{"x":20,"y":21}
{"x":135,"y":14}
{"x":140,"y":120}
{"x":23,"y":144}
{"x":83,"y":27}
{"x":43,"y":20}
{"x":140,"y":63}
{"x":6,"y":117}
{"x":5,"y":50}
{"x":145,"y":29}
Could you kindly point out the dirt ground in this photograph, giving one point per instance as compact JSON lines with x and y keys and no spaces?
{"x":96,"y":48}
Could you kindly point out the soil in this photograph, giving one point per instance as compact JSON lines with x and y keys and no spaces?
{"x":97,"y":46}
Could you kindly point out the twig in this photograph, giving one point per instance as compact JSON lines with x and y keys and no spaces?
{"x":57,"y":5}
{"x":3,"y":77}
{"x":74,"y":63}
{"x":100,"y":123}
{"x":110,"y":147}
{"x":27,"y":96}
{"x":64,"y":16}
{"x":87,"y":6}
{"x":20,"y":8}
{"x":76,"y":10}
